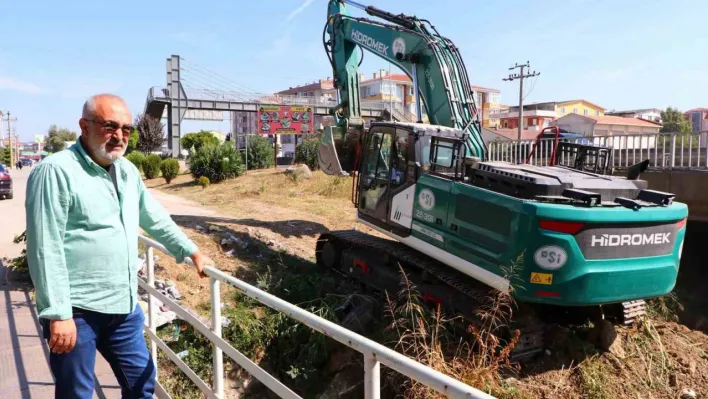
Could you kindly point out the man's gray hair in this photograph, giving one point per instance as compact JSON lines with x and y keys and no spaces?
{"x":90,"y":104}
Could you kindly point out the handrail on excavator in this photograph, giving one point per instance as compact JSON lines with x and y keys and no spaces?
{"x":538,"y":141}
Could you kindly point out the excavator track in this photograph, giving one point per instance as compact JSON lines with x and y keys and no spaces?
{"x":632,"y":311}
{"x":355,"y":254}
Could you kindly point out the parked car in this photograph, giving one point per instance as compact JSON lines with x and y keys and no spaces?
{"x":5,"y":182}
{"x":566,"y":136}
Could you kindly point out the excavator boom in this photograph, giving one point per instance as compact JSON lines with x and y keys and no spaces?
{"x":440,"y":82}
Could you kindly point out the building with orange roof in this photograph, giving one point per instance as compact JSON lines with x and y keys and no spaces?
{"x":537,"y":116}
{"x":395,"y":89}
{"x":500,"y":134}
{"x":649,"y":114}
{"x":615,"y":126}
{"x":591,"y":125}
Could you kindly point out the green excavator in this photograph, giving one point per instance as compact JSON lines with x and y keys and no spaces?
{"x":564,"y":241}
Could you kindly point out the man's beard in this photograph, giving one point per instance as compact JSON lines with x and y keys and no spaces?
{"x":113,"y":156}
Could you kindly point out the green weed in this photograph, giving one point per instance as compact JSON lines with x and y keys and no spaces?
{"x":665,"y":307}
{"x":593,"y":378}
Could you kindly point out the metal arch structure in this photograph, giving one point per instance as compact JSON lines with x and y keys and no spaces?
{"x":176,"y":104}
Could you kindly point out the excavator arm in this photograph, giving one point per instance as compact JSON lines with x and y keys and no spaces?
{"x":431,"y":61}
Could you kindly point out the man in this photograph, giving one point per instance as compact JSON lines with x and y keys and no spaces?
{"x":84,"y":206}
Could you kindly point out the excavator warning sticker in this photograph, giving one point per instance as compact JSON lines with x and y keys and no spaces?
{"x":542,"y":278}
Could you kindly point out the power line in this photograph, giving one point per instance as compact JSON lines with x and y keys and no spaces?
{"x":521,"y":76}
{"x":533,"y":86}
{"x":216,"y":76}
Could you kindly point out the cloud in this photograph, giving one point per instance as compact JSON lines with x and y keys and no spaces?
{"x":281,"y":45}
{"x":294,"y":13}
{"x":8,"y":83}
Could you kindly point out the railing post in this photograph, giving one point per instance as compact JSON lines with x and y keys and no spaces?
{"x":152,"y":320}
{"x":672,"y":163}
{"x":216,"y":328}
{"x":372,"y":377}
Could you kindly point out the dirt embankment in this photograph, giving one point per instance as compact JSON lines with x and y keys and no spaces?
{"x":265,"y":220}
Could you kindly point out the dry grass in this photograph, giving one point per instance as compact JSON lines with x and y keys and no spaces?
{"x":193,"y":288}
{"x":428,"y":337}
{"x":271,"y":190}
{"x":660,"y":358}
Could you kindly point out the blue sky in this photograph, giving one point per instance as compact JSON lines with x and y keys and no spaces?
{"x":617,"y":53}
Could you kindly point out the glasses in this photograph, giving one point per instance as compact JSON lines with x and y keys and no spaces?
{"x":111,"y":126}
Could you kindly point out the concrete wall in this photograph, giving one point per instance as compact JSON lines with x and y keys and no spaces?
{"x":689,"y":187}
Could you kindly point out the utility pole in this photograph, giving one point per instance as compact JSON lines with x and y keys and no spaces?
{"x":9,"y":136}
{"x":521,"y":78}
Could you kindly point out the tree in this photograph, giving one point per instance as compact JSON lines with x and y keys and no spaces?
{"x":5,"y":156}
{"x":674,"y":122}
{"x":132,"y":141}
{"x":150,"y":133}
{"x":260,"y":153}
{"x":57,"y":137}
{"x":307,"y":152}
{"x":197,"y":140}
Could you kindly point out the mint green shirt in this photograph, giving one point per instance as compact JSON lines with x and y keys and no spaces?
{"x":82,"y":236}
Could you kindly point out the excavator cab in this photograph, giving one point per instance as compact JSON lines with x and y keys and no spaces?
{"x":384,"y":171}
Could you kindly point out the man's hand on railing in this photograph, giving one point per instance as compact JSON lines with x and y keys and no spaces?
{"x":200,"y":261}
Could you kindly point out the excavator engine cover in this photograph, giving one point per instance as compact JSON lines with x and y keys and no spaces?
{"x":529,"y":181}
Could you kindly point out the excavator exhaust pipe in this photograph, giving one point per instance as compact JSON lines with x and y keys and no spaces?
{"x":337,"y":150}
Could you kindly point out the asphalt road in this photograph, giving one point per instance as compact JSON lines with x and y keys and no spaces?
{"x":12,"y":214}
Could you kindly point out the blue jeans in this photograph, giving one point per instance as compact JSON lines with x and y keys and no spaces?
{"x":120,"y":340}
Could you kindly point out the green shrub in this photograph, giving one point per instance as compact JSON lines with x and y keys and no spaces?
{"x":306,"y":153}
{"x":195,"y":141}
{"x":137,"y":158}
{"x":6,"y":156}
{"x":151,"y":166}
{"x":132,"y":141}
{"x":170,"y":169}
{"x":216,"y":162}
{"x":260,"y":153}
{"x":203,"y":181}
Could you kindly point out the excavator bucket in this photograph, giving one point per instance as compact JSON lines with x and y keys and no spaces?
{"x":337,"y":150}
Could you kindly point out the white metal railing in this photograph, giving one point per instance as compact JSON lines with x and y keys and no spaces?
{"x":399,"y":112}
{"x":664,"y":150}
{"x":374,"y":354}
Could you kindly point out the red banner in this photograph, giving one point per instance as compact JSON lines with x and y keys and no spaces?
{"x":285,"y":119}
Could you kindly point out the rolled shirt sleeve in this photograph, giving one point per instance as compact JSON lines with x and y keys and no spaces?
{"x":47,"y":209}
{"x":156,"y":221}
